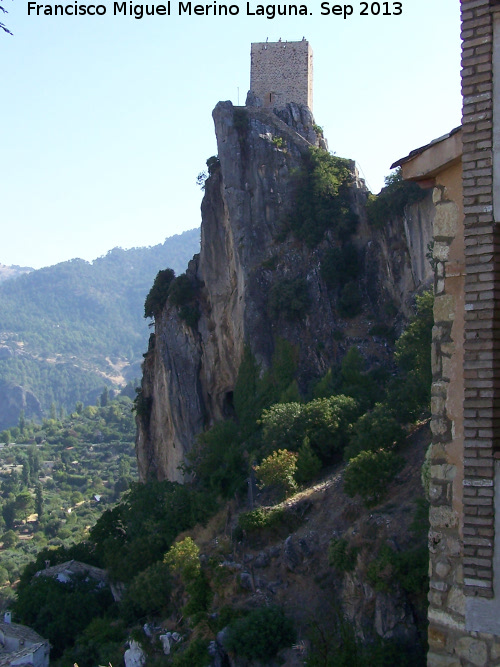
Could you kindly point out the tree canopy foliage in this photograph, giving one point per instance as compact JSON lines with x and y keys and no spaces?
{"x":322,"y":198}
{"x":392,"y":199}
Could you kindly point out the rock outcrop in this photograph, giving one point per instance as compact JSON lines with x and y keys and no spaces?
{"x":190,"y":370}
{"x":15,"y":399}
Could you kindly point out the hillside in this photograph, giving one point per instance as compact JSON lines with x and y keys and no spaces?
{"x":329,"y":561}
{"x":360,"y":605}
{"x":69,"y":329}
{"x":13,"y":271}
{"x":58,"y":477}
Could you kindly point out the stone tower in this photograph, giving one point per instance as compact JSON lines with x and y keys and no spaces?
{"x":282,"y":72}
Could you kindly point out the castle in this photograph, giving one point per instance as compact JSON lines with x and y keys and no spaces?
{"x":282,"y":72}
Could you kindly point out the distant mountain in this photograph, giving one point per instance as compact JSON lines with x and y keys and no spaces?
{"x":8,"y":272}
{"x":69,"y":329}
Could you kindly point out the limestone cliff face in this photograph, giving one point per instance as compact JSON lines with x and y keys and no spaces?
{"x":190,"y":371}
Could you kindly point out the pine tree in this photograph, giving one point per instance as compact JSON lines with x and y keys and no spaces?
{"x":39,"y":500}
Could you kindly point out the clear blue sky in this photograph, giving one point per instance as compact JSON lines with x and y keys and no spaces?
{"x":106,"y":121}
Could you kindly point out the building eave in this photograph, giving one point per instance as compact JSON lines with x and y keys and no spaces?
{"x":423,"y":164}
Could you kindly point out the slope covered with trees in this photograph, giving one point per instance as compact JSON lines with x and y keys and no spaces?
{"x":58,"y":477}
{"x":196,"y":559}
{"x":66,"y":329}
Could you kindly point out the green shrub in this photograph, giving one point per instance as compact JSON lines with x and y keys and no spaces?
{"x":261,"y":518}
{"x":213,"y":163}
{"x":334,"y":644}
{"x":100,"y":643}
{"x":409,"y":568}
{"x":278,"y":470}
{"x":255,"y":391}
{"x":240,"y":119}
{"x":200,"y":596}
{"x":61,"y":611}
{"x":325,"y":421}
{"x":325,"y":386}
{"x":341,"y":556}
{"x":282,"y":427}
{"x":143,"y":406}
{"x":190,"y":314}
{"x":392,"y":199}
{"x":261,"y":634}
{"x":157,"y":297}
{"x":289,"y":298}
{"x":183,"y":558}
{"x":216,"y":460}
{"x":225,"y":616}
{"x":181,"y":290}
{"x":322,"y":198}
{"x":373,"y":431}
{"x":409,"y":392}
{"x":369,"y":474}
{"x":283,"y":368}
{"x":355,"y":381}
{"x":137,"y":532}
{"x":149,"y":592}
{"x":308,"y":464}
{"x":414,"y":344}
{"x":195,"y":655}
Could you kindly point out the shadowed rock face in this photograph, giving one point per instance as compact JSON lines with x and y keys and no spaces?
{"x":13,"y":400}
{"x":190,"y":372}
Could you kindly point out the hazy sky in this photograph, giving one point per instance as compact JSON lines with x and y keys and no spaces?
{"x":106,"y":120}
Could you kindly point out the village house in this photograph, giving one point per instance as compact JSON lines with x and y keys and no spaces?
{"x":20,"y":645}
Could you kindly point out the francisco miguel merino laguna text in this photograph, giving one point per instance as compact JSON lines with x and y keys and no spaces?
{"x":189,"y":8}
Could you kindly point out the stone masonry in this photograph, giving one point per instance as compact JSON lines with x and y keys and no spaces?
{"x":438,"y":165}
{"x":282,"y":72}
{"x":464,"y":597}
{"x":464,"y":544}
{"x":481,"y":344}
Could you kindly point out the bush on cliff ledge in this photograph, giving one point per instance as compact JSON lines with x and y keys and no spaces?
{"x":322,"y":198}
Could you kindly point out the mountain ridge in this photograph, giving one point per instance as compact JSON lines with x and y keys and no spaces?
{"x":68,"y":329}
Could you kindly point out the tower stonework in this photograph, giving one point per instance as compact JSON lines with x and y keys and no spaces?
{"x":282,"y":72}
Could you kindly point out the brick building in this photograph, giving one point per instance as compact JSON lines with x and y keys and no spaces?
{"x":464,"y":540}
{"x":282,"y":72}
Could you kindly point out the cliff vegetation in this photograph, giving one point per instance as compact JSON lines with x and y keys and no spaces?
{"x":281,"y":427}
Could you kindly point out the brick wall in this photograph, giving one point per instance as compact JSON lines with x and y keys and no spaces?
{"x":482,"y":334}
{"x":281,"y":72}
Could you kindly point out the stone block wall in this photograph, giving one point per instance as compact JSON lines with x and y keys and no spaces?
{"x":446,"y":596}
{"x":464,"y":598}
{"x":282,"y":72}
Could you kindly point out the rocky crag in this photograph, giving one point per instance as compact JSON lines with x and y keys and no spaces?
{"x":249,"y":261}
